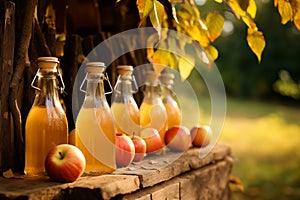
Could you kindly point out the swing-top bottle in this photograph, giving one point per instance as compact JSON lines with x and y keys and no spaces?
{"x":46,"y":124}
{"x":95,"y":127}
{"x":168,"y":98}
{"x":152,"y":111}
{"x":124,"y":107}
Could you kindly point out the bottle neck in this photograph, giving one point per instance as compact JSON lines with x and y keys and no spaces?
{"x":123,"y":90}
{"x":95,"y":95}
{"x":152,"y":93}
{"x":47,"y":95}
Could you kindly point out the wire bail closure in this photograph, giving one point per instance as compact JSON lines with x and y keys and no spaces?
{"x":61,"y":89}
{"x":135,"y":87}
{"x":105,"y":78}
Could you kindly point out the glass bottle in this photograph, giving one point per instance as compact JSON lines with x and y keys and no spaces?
{"x":152,"y":111}
{"x":95,"y":127}
{"x":168,"y":98}
{"x":46,"y":124}
{"x":124,"y":107}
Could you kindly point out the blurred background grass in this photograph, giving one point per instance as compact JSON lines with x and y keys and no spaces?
{"x":265,"y":142}
{"x":265,"y":139}
{"x":262,"y":124}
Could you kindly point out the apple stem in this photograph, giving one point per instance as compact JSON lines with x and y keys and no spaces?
{"x":133,"y":135}
{"x":61,"y":155}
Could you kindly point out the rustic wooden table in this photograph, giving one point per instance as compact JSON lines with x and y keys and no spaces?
{"x":169,"y":176}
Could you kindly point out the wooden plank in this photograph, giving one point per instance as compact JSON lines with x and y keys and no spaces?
{"x":154,"y":170}
{"x":106,"y":186}
{"x":70,"y":63}
{"x":165,"y":190}
{"x":170,"y":191}
{"x":210,"y":182}
{"x":151,"y":178}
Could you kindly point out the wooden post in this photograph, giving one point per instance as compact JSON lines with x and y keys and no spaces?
{"x":7,"y":42}
{"x":71,"y":61}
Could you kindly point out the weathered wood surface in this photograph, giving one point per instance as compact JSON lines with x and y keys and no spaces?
{"x":207,"y":183}
{"x":87,"y":187}
{"x":161,"y":168}
{"x":170,"y":176}
{"x":7,"y":42}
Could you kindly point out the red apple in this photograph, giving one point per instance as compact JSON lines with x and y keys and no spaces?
{"x":65,"y":163}
{"x":152,"y":139}
{"x":201,"y":135}
{"x":178,"y":138}
{"x":124,"y":150}
{"x":140,"y":148}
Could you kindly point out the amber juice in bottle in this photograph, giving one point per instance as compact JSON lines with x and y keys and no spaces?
{"x":46,"y":124}
{"x":168,"y":98}
{"x":95,"y":128}
{"x":124,"y":107}
{"x":152,"y":111}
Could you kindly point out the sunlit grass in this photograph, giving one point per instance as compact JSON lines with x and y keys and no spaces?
{"x":265,"y":139}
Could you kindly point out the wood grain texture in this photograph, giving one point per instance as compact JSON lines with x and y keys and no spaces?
{"x":169,"y":176}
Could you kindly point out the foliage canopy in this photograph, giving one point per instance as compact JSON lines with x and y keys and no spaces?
{"x":187,"y":19}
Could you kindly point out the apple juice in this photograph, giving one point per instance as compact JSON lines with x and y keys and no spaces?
{"x":168,"y":98}
{"x":173,"y":113}
{"x":124,"y":107}
{"x":45,"y":128}
{"x":127,"y":117}
{"x":154,"y":115}
{"x":95,"y":137}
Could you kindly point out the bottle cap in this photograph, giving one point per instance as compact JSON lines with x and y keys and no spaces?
{"x":167,"y":78}
{"x":124,"y":70}
{"x":95,"y":67}
{"x":48,"y":63}
{"x":151,"y":76}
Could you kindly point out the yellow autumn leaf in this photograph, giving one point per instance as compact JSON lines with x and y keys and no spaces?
{"x":219,"y":1}
{"x":150,"y":53}
{"x":275,"y":3}
{"x":256,"y":42}
{"x":158,"y":68}
{"x":157,"y":14}
{"x":285,"y":11}
{"x":235,"y":182}
{"x":145,"y":7}
{"x":212,"y":52}
{"x":295,"y":4}
{"x":164,"y":57}
{"x":297,"y":20}
{"x":198,"y":34}
{"x":214,"y":23}
{"x":185,"y":66}
{"x":252,"y":8}
{"x":236,"y":8}
{"x":243,"y":4}
{"x":249,"y":22}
